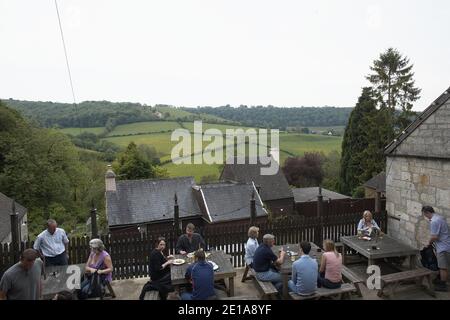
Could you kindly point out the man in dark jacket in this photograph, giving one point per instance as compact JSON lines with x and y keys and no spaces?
{"x":190,"y":241}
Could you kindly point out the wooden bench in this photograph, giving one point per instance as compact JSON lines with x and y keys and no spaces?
{"x":152,"y":295}
{"x":344,"y":290}
{"x":394,"y":279}
{"x":266,"y":288}
{"x":353,"y":277}
{"x":245,"y":276}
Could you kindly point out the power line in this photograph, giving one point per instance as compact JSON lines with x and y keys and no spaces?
{"x":67,"y":59}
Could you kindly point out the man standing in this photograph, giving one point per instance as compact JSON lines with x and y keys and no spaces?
{"x":265,"y":262}
{"x":304,"y":273}
{"x":190,"y":241}
{"x":23,"y":280}
{"x":201,"y":275}
{"x":52,"y":244}
{"x":440,"y":236}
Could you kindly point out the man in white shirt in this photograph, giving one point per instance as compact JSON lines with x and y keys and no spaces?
{"x":52,"y":244}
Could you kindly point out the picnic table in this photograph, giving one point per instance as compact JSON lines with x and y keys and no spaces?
{"x":225,"y":271}
{"x":56,"y":279}
{"x":385,"y":247}
{"x":286,"y":267}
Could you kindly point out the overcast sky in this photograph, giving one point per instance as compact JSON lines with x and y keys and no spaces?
{"x":217,"y":52}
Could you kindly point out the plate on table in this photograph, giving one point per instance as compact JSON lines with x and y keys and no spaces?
{"x":292,"y":253}
{"x":215,"y":266}
{"x":178,"y":262}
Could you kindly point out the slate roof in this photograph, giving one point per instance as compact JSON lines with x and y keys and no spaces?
{"x":5,"y":211}
{"x":377,"y":183}
{"x":229,"y":201}
{"x":310,"y":194}
{"x":390,"y":148}
{"x":272,"y":187}
{"x":150,"y":200}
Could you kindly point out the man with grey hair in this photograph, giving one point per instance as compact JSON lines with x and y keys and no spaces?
{"x":265,"y":262}
{"x":23,"y":280}
{"x":52,"y":244}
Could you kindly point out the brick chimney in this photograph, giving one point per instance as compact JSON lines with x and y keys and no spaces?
{"x":110,"y":179}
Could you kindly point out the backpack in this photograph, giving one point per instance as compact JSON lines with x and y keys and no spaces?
{"x":428,"y":258}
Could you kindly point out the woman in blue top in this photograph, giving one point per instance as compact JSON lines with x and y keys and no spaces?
{"x":367,"y":225}
{"x":251,"y":245}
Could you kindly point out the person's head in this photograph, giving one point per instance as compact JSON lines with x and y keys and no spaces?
{"x":253,"y":232}
{"x":96,"y":245}
{"x":63,"y":295}
{"x":27,"y":258}
{"x":367,"y":216}
{"x":328,"y":245}
{"x":190,"y":229}
{"x":428,"y":212}
{"x":199,"y":255}
{"x":51,"y":226}
{"x":305,"y":246}
{"x":161,"y":244}
{"x":269,"y":239}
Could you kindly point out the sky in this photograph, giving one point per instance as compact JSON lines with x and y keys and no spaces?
{"x":217,"y":52}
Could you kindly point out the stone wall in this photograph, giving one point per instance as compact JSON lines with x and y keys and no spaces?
{"x":431,"y":138}
{"x":410,"y":184}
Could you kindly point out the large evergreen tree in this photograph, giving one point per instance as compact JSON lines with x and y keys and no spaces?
{"x":356,"y":141}
{"x":394,"y":88}
{"x":131,"y":164}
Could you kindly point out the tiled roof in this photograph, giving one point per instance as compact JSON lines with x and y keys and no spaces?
{"x":377,"y":183}
{"x":150,"y":200}
{"x":310,"y":194}
{"x":272,"y":187}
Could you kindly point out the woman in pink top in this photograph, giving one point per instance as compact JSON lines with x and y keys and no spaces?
{"x":330,"y":267}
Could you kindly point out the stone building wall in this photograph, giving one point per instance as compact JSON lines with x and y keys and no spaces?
{"x":417,"y":174}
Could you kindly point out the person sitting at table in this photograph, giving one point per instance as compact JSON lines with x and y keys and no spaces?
{"x":330,"y":267}
{"x":190,"y":241}
{"x":304,"y":272}
{"x":159,"y":271}
{"x":201,"y":276}
{"x":22,"y":281}
{"x":265,"y":262}
{"x":99,"y":262}
{"x":251,"y":245}
{"x":367,"y":225}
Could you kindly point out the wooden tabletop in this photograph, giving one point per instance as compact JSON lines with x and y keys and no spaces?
{"x":56,"y":278}
{"x":286,"y":267}
{"x":386,"y":247}
{"x":225,"y":270}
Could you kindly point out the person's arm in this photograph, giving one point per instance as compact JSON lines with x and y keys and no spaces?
{"x":322,"y":264}
{"x":435,"y":229}
{"x":202,"y":242}
{"x":188,"y":274}
{"x":37,"y":246}
{"x":108,"y":264}
{"x":179,"y":247}
{"x":87,"y":268}
{"x":5,"y":286}
{"x":280,"y":259}
{"x":360,"y":227}
{"x":66,"y":243}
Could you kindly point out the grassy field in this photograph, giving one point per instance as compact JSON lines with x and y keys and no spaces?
{"x":175,"y":113}
{"x":77,"y":131}
{"x":290,"y":143}
{"x":144,"y":127}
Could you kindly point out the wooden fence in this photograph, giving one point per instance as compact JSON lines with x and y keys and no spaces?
{"x":130,"y":252}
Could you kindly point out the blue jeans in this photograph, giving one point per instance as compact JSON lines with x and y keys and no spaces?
{"x":272,"y":276}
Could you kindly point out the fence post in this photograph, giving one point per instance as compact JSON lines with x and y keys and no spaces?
{"x":253,"y":209}
{"x":378,"y":202}
{"x":319,"y":228}
{"x":94,"y":229}
{"x":15,"y":236}
{"x":176,"y":221}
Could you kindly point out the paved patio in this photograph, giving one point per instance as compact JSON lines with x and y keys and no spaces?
{"x":131,"y":288}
